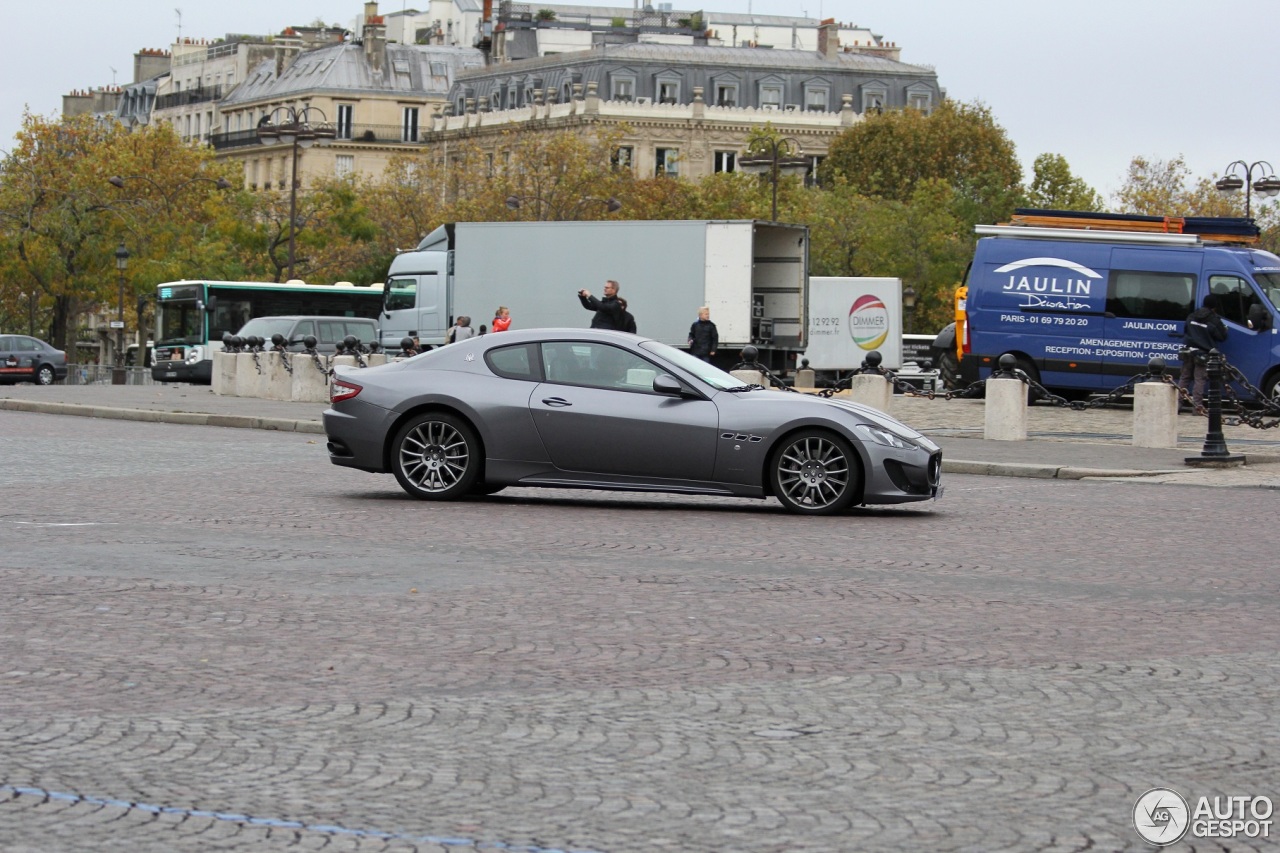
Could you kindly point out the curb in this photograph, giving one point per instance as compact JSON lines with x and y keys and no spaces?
{"x":152,"y":416}
{"x":1046,"y":472}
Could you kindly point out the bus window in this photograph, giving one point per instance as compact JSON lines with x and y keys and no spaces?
{"x":400,"y":293}
{"x":229,"y":316}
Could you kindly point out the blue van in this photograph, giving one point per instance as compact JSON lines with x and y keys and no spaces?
{"x":1085,"y":310}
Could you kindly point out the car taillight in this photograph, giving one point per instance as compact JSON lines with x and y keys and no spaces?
{"x":343,"y":390}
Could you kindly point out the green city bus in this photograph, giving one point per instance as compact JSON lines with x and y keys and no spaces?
{"x":192,"y":316}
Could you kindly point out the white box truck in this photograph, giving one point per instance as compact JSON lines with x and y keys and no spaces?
{"x":752,"y":275}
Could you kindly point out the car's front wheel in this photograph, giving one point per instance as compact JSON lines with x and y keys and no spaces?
{"x":45,"y":375}
{"x":815,"y":472}
{"x":436,"y":457}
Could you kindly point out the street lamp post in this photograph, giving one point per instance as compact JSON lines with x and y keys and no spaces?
{"x":1267,"y":185}
{"x":909,"y":306}
{"x":122,"y":263}
{"x":515,"y":202}
{"x":295,"y":130}
{"x":774,"y":156}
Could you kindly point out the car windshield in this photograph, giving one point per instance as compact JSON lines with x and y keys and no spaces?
{"x":708,"y":373}
{"x":265,"y":327}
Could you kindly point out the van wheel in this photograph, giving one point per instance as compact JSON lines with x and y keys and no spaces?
{"x":1271,"y":388}
{"x":949,"y":370}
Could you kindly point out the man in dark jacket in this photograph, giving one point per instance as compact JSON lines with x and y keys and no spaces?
{"x":628,"y":321}
{"x":1204,"y":329}
{"x":608,"y":309}
{"x":704,"y":337}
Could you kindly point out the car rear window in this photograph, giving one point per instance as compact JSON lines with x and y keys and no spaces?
{"x":515,"y":362}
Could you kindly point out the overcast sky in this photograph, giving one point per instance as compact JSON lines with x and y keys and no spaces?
{"x":1097,"y":81}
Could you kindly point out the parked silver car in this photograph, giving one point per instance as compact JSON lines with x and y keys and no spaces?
{"x":27,"y":359}
{"x":603,"y":410}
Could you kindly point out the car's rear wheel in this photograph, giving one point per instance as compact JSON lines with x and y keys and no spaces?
{"x":45,"y":375}
{"x":815,"y":472}
{"x":436,"y":457}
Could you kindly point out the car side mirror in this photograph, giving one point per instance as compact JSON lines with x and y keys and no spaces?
{"x":667,"y":385}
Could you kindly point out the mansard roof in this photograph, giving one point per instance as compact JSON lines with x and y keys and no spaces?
{"x":345,"y":70}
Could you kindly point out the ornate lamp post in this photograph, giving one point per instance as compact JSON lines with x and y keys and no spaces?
{"x":294,"y":128}
{"x":515,"y":202}
{"x":122,"y":263}
{"x":909,"y":306}
{"x":1267,"y":185}
{"x":774,"y":156}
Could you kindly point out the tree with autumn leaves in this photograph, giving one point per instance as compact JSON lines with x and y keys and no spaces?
{"x":899,"y":195}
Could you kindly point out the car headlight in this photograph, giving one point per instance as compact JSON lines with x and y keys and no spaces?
{"x":194,"y":355}
{"x":883,"y":436}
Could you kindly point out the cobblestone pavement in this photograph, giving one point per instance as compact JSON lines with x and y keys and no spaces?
{"x":212,"y":639}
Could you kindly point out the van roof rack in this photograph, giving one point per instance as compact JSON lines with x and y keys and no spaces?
{"x":1221,"y":229}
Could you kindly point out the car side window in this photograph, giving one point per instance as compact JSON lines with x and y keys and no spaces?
{"x":515,"y":362}
{"x":597,"y":365}
{"x":307,"y":327}
{"x":28,"y":344}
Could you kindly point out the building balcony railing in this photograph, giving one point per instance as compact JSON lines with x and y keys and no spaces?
{"x":375,"y":134}
{"x":200,"y":95}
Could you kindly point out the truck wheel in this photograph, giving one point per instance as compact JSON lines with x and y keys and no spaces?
{"x":949,"y":370}
{"x":436,"y":457}
{"x":815,"y":472}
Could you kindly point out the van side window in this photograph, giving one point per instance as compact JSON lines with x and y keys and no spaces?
{"x":1235,"y":297}
{"x":1151,"y":295}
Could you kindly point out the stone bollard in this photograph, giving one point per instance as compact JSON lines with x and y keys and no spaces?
{"x":224,"y":373}
{"x":373,"y":359}
{"x":1006,"y":409}
{"x":310,"y":380}
{"x":871,"y":389}
{"x":246,"y":375}
{"x":278,"y":384}
{"x":805,"y":377}
{"x":750,"y":377}
{"x":1155,"y":415}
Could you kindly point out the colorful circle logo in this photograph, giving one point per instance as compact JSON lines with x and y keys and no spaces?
{"x":868,"y":322}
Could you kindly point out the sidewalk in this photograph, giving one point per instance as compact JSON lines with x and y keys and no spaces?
{"x":1063,"y":443}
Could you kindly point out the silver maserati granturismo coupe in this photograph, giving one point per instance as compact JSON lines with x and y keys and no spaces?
{"x":590,"y":409}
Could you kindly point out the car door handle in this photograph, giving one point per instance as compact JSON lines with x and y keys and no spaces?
{"x":558,"y":402}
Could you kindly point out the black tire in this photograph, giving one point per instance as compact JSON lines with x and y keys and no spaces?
{"x":1271,"y":388}
{"x":436,"y":457}
{"x":815,"y":472}
{"x":949,"y":370}
{"x":45,"y":375}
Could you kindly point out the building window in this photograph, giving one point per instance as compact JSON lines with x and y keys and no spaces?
{"x":409,"y":125}
{"x":726,"y":161}
{"x":816,"y":99}
{"x":623,"y":89}
{"x":667,"y":162}
{"x":668,"y":92}
{"x":874,"y":100}
{"x":771,"y":97}
{"x":918,"y":101}
{"x":623,"y":156}
{"x":344,"y":164}
{"x":345,"y":114}
{"x":726,"y":94}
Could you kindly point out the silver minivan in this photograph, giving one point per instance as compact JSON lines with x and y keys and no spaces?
{"x":327,"y":331}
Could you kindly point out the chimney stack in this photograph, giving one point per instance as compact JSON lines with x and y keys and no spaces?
{"x":375,"y":37}
{"x":828,"y":38}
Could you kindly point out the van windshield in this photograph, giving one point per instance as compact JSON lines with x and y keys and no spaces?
{"x":1270,"y":284}
{"x":266,"y":327}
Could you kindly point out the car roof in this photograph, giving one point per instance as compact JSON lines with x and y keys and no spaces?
{"x":556,"y":334}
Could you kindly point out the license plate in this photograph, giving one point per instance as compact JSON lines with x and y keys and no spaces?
{"x":170,"y":376}
{"x":938,"y":494}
